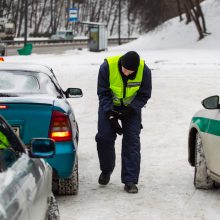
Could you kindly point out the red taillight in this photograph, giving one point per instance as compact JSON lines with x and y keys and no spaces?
{"x":60,"y":129}
{"x":3,"y":106}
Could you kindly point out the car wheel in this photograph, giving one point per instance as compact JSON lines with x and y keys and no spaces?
{"x":77,"y":131}
{"x":69,"y":186}
{"x":202,"y":180}
{"x":3,"y":53}
{"x":53,"y":210}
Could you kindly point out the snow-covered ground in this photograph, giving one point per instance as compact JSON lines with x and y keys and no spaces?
{"x":183,"y":73}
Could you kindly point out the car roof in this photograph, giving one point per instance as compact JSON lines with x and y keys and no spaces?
{"x":32,"y":67}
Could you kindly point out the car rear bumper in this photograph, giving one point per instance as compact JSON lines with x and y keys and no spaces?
{"x":64,"y":159}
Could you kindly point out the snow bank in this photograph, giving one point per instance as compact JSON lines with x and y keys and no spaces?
{"x":173,"y":34}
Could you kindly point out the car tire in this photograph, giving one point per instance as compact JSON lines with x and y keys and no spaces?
{"x":3,"y":53}
{"x":53,"y":210}
{"x":202,"y":180}
{"x":77,"y":133}
{"x":69,"y":186}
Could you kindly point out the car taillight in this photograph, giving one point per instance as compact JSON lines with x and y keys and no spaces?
{"x":3,"y":106}
{"x":60,"y":129}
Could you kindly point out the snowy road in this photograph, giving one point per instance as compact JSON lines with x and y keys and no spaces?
{"x":181,"y":79}
{"x":166,"y":180}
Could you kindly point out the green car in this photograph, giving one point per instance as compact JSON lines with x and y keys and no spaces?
{"x":204,"y":144}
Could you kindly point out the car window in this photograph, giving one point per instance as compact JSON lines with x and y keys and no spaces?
{"x":69,"y":33}
{"x":9,"y":152}
{"x":18,"y":82}
{"x":48,"y":85}
{"x":7,"y":158}
{"x":61,"y":33}
{"x":22,"y":82}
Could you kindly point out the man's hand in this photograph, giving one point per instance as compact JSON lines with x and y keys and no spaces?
{"x":114,"y":116}
{"x":127,"y":111}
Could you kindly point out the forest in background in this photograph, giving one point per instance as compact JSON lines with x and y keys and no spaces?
{"x":127,"y":17}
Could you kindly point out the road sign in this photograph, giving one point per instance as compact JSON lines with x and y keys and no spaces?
{"x":73,"y":14}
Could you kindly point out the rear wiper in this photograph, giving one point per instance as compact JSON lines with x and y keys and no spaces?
{"x":7,"y":95}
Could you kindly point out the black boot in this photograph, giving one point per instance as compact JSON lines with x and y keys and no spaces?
{"x":131,"y":188}
{"x":104,"y":178}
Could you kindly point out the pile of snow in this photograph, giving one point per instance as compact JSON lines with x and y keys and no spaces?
{"x":173,"y":34}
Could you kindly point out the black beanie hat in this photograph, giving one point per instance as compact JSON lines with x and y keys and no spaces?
{"x":130,"y":60}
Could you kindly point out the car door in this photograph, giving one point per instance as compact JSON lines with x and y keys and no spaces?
{"x":24,"y":197}
{"x":27,"y":196}
{"x":12,"y":199}
{"x":40,"y":193}
{"x":212,"y":142}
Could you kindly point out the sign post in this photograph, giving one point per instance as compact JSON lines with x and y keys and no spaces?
{"x":73,"y":14}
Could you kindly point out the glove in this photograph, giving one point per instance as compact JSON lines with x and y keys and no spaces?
{"x":127,"y":111}
{"x":114,"y":116}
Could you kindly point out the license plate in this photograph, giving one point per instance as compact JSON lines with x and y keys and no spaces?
{"x":16,"y":130}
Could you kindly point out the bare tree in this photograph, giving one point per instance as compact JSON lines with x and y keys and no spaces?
{"x":179,"y":10}
{"x":151,"y":13}
{"x":194,"y":12}
{"x":46,"y":16}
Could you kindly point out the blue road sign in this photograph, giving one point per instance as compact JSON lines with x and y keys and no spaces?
{"x":73,"y":14}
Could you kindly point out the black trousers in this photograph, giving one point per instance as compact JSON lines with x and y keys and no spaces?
{"x":130,"y":153}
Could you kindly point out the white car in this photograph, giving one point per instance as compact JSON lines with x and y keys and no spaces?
{"x":26,"y":180}
{"x":63,"y":35}
{"x":204,"y":144}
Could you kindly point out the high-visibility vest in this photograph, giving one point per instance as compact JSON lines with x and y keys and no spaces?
{"x":123,"y":94}
{"x":3,"y":141}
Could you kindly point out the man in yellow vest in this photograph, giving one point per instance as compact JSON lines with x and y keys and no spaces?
{"x":124,"y":87}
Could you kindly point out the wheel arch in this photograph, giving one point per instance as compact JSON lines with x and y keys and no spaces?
{"x":191,"y":146}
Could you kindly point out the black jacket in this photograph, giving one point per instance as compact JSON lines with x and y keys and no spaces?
{"x":105,"y":94}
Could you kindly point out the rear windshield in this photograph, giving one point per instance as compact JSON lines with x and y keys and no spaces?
{"x":17,"y":82}
{"x":21,"y":82}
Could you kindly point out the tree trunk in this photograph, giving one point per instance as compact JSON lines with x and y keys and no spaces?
{"x":119,"y":22}
{"x":187,"y":12}
{"x":179,"y":10}
{"x":59,"y":14}
{"x":193,"y":14}
{"x":113,"y":22}
{"x":200,"y":13}
{"x":21,"y":7}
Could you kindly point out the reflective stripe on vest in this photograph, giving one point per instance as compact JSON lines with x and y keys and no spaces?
{"x":117,"y":85}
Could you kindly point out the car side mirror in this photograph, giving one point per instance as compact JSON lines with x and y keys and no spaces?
{"x":42,"y":148}
{"x":211,"y":102}
{"x":73,"y":93}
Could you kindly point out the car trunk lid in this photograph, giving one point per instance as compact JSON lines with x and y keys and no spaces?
{"x":30,"y":117}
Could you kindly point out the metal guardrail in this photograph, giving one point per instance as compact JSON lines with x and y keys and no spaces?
{"x":74,"y":41}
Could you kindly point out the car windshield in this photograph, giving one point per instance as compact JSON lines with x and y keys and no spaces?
{"x":61,"y":33}
{"x":23,"y":82}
